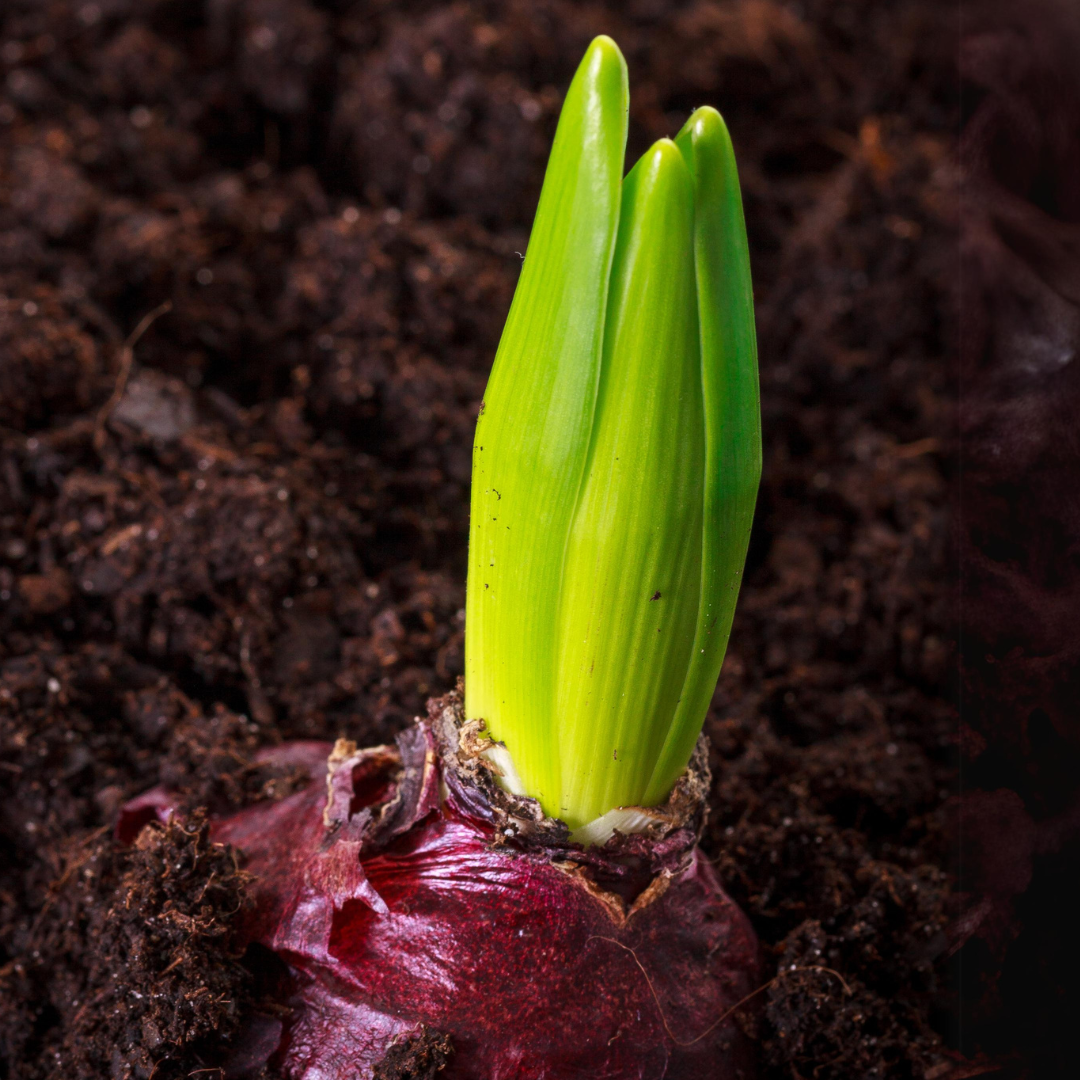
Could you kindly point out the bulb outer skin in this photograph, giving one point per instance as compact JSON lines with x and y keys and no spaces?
{"x":407,"y":893}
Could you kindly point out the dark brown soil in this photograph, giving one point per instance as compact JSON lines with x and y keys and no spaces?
{"x":147,"y":983}
{"x":248,"y":521}
{"x":422,"y":1058}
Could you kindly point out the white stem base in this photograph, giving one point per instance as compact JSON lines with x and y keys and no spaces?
{"x":627,"y":819}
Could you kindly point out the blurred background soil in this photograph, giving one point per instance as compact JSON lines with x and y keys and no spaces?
{"x":254,"y":260}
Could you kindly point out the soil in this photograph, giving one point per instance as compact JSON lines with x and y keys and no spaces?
{"x":254,"y":260}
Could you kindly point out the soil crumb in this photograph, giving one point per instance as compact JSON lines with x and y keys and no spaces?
{"x":128,"y":970}
{"x":422,"y":1057}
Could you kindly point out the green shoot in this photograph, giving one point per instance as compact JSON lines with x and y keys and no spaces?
{"x":616,"y":461}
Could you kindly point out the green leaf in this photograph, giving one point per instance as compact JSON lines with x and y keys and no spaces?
{"x":732,"y":462}
{"x":532,"y":436}
{"x":631,"y":579}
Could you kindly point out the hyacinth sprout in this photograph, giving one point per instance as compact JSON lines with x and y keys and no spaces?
{"x":616,"y":461}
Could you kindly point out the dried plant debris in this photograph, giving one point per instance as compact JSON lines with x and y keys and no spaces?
{"x":129,"y":969}
{"x":421,"y":1057}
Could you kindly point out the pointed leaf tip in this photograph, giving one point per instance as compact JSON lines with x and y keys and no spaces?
{"x":704,"y":122}
{"x":661,"y":165}
{"x":603,"y":72}
{"x":605,"y":47}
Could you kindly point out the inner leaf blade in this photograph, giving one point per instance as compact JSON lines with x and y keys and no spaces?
{"x":632,"y":572}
